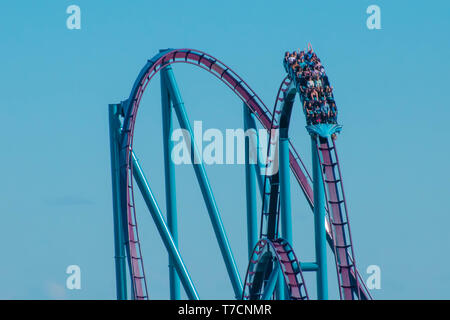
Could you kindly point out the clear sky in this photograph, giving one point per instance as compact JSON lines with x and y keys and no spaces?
{"x":55,"y":204}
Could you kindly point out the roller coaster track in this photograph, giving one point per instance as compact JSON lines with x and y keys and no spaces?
{"x":261,"y":266}
{"x":280,"y":249}
{"x":339,"y":235}
{"x":343,"y":245}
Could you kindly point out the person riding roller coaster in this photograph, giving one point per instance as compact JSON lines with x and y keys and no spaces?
{"x":317,"y":94}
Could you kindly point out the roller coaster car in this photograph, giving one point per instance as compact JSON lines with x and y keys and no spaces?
{"x":286,"y":66}
{"x":301,"y":86}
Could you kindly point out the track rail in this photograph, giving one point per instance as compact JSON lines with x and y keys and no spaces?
{"x":343,"y":244}
{"x":271,"y":196}
{"x":265,"y":255}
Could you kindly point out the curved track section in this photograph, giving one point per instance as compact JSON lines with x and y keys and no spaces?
{"x":266,"y":256}
{"x":271,"y":200}
{"x":271,"y":203}
{"x":131,"y":106}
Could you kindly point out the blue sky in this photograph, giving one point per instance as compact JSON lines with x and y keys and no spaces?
{"x":55,"y":204}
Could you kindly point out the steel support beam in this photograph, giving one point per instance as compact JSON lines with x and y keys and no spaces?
{"x":272,"y":282}
{"x":205,"y":186}
{"x":281,"y":288}
{"x":119,"y":243}
{"x":251,"y":123}
{"x":170,"y":186}
{"x":163,"y":229}
{"x":319,"y":222}
{"x":309,"y":266}
{"x":285,"y":200}
{"x":285,"y":188}
{"x":250,"y":182}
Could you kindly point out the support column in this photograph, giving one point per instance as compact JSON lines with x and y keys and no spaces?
{"x":171,"y":200}
{"x":285,"y":187}
{"x":205,"y":186}
{"x":163,"y":230}
{"x":319,"y":222}
{"x":285,"y":200}
{"x":119,"y":243}
{"x":250,"y":183}
{"x":281,"y":287}
{"x":257,"y":168}
{"x":271,"y":282}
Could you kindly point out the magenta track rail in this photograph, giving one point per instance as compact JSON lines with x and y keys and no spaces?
{"x":349,"y":283}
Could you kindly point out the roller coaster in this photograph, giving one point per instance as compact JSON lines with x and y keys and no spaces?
{"x":274,"y":271}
